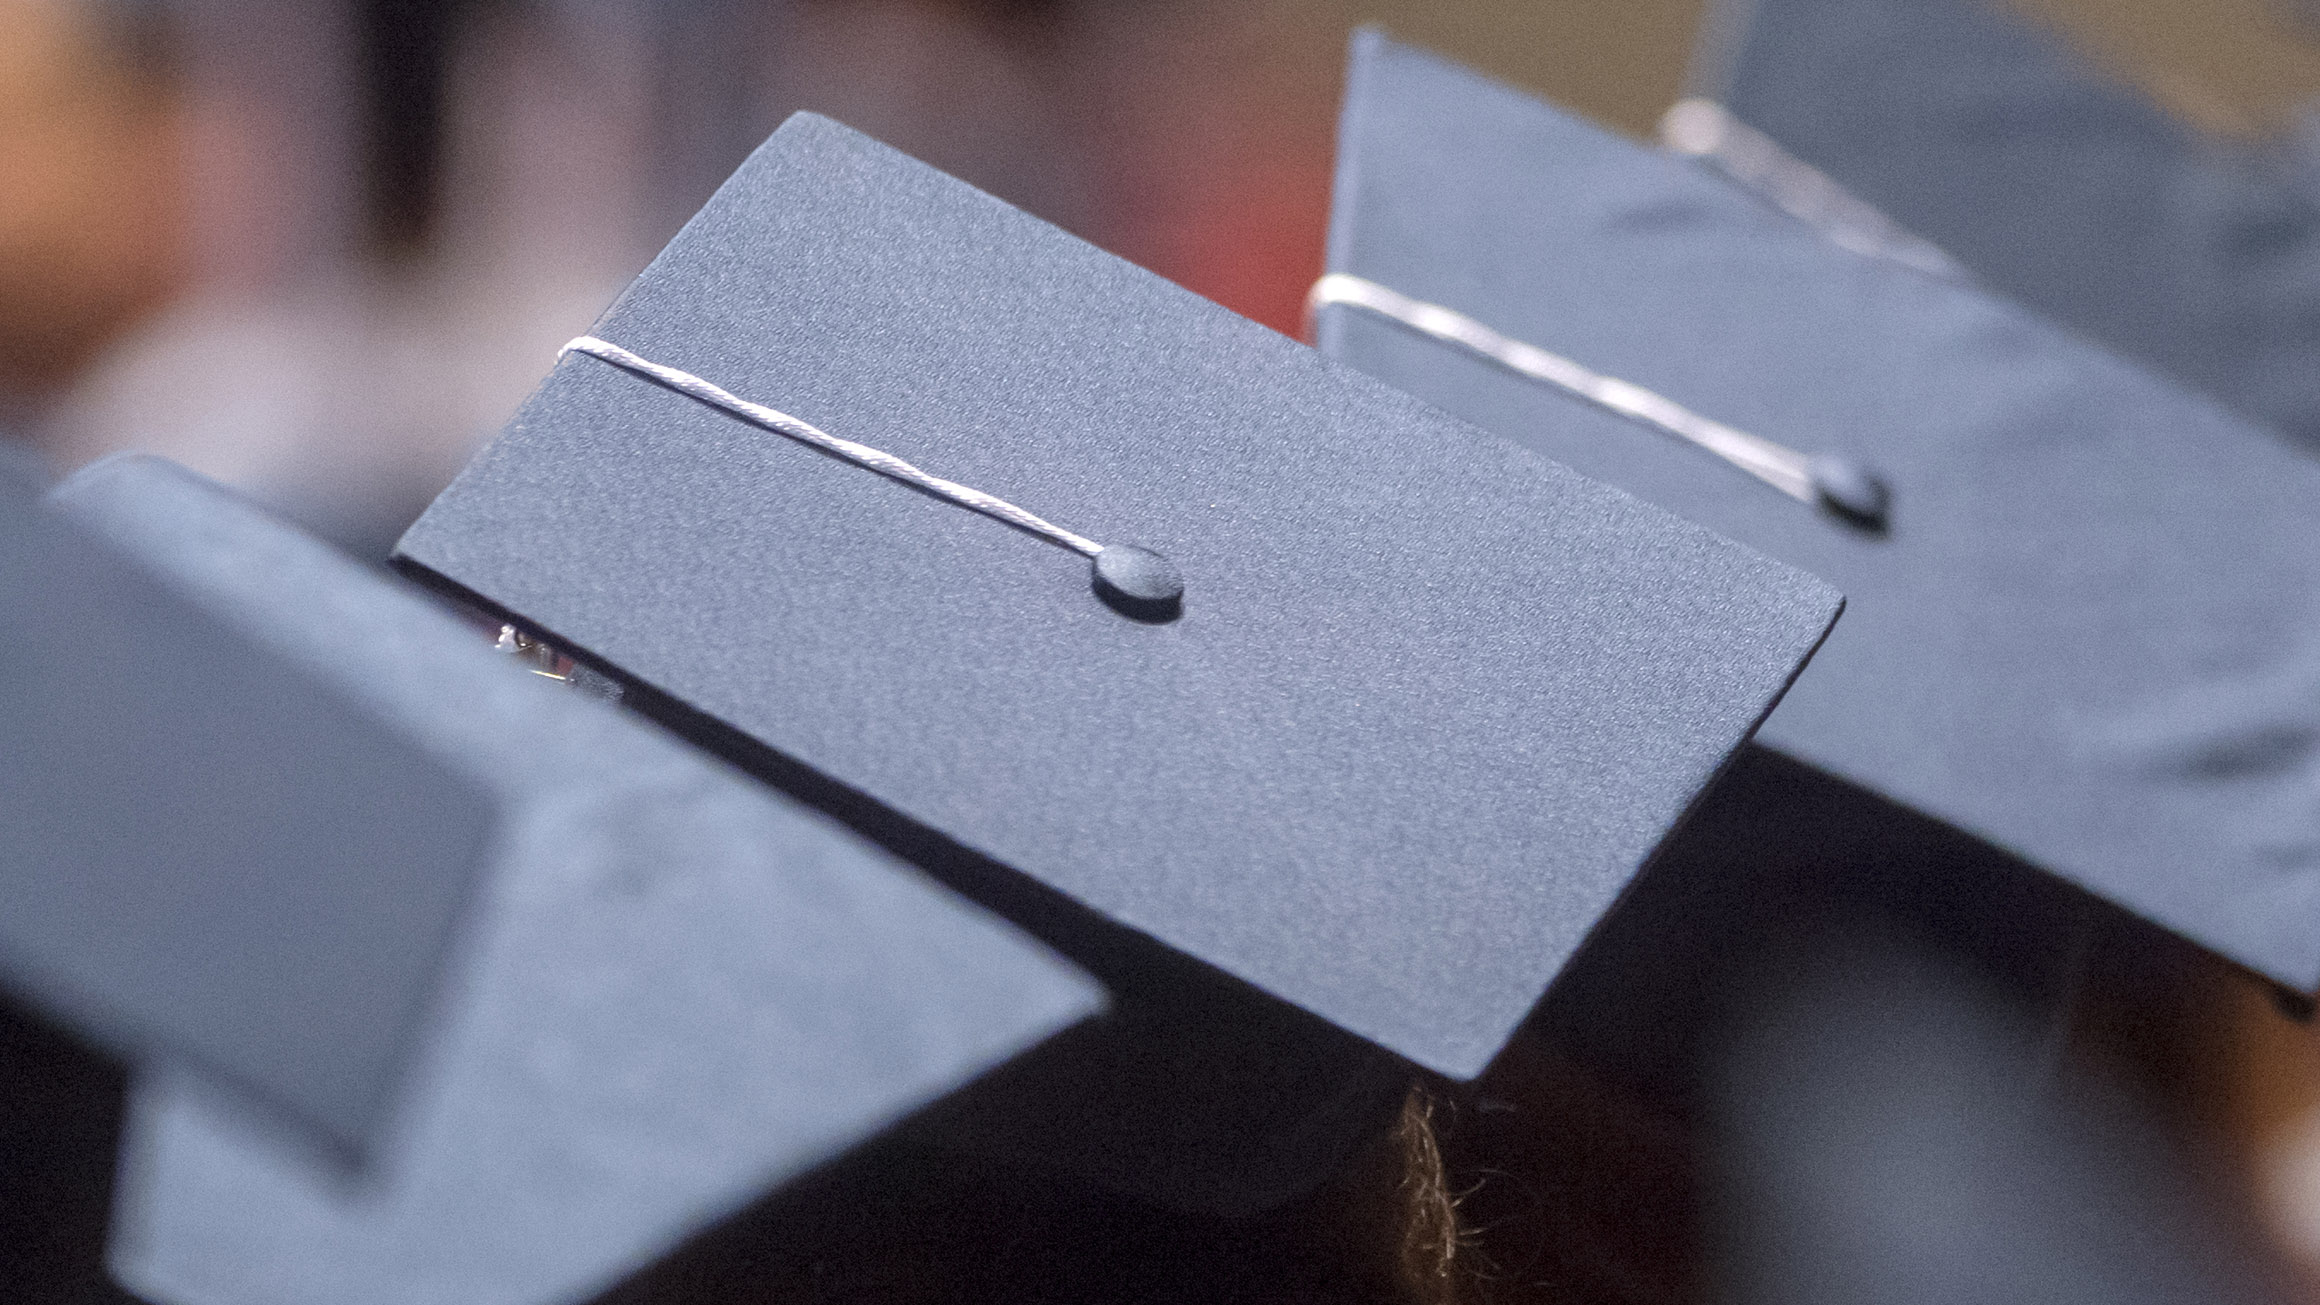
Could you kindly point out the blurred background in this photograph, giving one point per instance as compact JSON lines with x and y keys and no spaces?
{"x":320,"y":249}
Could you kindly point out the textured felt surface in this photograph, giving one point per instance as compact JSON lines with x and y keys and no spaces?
{"x":2084,"y":560}
{"x":681,"y":989}
{"x":2053,"y":183}
{"x":1431,"y":700}
{"x":211,"y":854}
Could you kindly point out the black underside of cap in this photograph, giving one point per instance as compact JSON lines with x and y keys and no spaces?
{"x":60,"y":1128}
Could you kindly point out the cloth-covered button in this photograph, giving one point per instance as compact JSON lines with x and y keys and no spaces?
{"x":1138,"y":582}
{"x":1851,"y":491}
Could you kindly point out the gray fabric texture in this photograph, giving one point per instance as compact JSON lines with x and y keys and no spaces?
{"x":212,"y":854}
{"x":2079,"y":552}
{"x":681,"y":990}
{"x":2052,"y":182}
{"x":1431,"y":702}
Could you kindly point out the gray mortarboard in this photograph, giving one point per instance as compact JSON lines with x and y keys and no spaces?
{"x":1423,"y":705}
{"x":212,"y":855}
{"x":2085,"y":624}
{"x":682,"y":990}
{"x":1988,"y":136}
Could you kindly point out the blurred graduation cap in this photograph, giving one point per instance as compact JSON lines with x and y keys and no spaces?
{"x":1369,"y":711}
{"x":213,"y":855}
{"x":2082,"y":624}
{"x":1892,"y":1132}
{"x":682,"y":991}
{"x":1993,"y":139}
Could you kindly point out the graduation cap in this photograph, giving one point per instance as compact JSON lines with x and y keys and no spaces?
{"x":682,"y":989}
{"x":1357,"y":710}
{"x":213,"y":855}
{"x":2082,"y":626}
{"x":1990,"y":137}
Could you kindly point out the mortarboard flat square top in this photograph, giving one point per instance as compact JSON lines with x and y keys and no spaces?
{"x":1429,"y":704}
{"x":2052,"y":182}
{"x":210,"y":854}
{"x":2088,"y":632}
{"x":683,"y":990}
